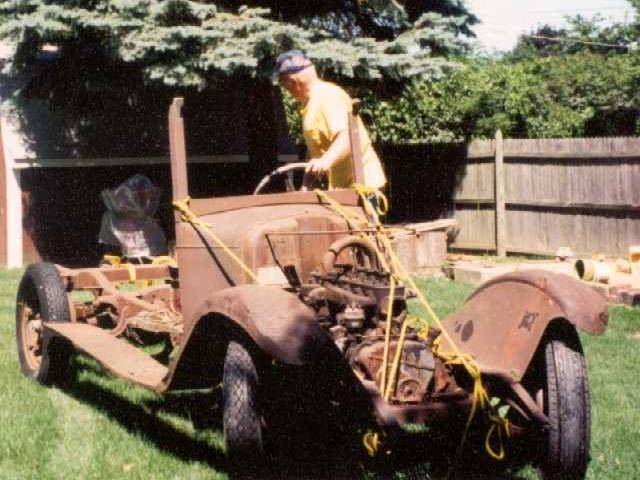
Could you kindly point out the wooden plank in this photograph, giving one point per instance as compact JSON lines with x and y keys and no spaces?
{"x":476,"y":226}
{"x":478,"y":181}
{"x":550,"y":205}
{"x":501,"y":232}
{"x":572,"y":156}
{"x":474,"y":202}
{"x":544,"y":231}
{"x":126,"y":161}
{"x":442,"y":224}
{"x":481,"y":149}
{"x":582,"y":206}
{"x":473,"y":246}
{"x":116,"y":355}
{"x":573,"y":148}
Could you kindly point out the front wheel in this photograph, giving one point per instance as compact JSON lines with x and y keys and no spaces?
{"x":240,"y":412}
{"x":566,"y":403}
{"x":42,"y":297}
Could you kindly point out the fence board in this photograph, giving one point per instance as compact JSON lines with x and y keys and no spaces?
{"x":478,"y":181}
{"x":577,"y":192}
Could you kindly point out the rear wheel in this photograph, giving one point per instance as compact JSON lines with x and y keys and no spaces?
{"x":566,"y":403}
{"x":42,"y":297}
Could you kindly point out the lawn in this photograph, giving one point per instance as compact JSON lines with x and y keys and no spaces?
{"x":100,"y":428}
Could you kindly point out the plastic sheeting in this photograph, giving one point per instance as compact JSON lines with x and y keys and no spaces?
{"x":128,"y":222}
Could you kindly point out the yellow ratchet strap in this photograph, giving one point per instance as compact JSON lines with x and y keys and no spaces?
{"x":392,"y":265}
{"x":115,"y":260}
{"x":371,"y":442}
{"x":163,"y":260}
{"x":187,"y":215}
{"x":132,"y":271}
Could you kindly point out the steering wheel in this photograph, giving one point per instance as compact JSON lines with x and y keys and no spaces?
{"x":281,"y":171}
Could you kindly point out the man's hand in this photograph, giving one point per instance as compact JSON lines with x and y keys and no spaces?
{"x":319,"y":165}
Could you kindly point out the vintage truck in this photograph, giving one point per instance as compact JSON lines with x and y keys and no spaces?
{"x":280,"y":295}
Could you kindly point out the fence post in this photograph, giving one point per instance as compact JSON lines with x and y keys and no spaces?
{"x":501,"y":231}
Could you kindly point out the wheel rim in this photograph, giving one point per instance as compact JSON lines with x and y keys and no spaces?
{"x":31,"y":330}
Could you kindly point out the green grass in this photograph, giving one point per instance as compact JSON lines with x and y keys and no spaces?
{"x":101,"y":428}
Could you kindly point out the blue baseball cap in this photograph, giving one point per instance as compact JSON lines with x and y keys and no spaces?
{"x":289,"y":62}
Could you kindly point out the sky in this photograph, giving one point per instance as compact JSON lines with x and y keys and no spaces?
{"x":503,"y":20}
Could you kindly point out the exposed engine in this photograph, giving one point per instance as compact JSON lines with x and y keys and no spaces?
{"x":351,"y":301}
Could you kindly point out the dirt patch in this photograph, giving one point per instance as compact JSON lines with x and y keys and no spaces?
{"x":634,"y":336}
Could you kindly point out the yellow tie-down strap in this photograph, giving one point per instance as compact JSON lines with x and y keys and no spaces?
{"x":187,"y":215}
{"x":381,"y":244}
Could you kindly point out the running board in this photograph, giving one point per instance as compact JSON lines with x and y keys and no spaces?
{"x":117,"y":355}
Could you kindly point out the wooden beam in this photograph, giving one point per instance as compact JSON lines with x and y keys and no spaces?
{"x":577,"y":156}
{"x":473,"y":202}
{"x":501,"y":215}
{"x":549,"y":205}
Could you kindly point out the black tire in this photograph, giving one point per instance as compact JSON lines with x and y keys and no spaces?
{"x":241,"y":419}
{"x":41,"y":296}
{"x":567,"y":406}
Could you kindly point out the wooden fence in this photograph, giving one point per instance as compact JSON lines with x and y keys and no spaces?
{"x":533,"y":196}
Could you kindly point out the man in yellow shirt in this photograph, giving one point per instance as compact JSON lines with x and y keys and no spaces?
{"x":325,"y":124}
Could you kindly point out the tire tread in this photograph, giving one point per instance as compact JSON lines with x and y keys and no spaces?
{"x":568,"y":411}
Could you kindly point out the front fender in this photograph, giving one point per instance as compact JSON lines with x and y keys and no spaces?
{"x":276,"y":320}
{"x":502,"y":322}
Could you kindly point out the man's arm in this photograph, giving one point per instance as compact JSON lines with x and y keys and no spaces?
{"x":339,"y":149}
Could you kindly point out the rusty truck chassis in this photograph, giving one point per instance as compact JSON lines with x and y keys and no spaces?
{"x":332,"y":288}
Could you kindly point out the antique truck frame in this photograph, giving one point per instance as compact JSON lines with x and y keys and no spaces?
{"x":311,"y":304}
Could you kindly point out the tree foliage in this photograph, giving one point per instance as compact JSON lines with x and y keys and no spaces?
{"x":583,"y":94}
{"x":581,"y":34}
{"x":191,"y":43}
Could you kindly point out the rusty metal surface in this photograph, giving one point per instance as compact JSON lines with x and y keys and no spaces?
{"x":355,"y":144}
{"x":392,"y":415}
{"x":120,"y":298}
{"x":152,"y":309}
{"x":84,"y":277}
{"x":178,"y":151}
{"x":415,"y":373}
{"x":341,"y":303}
{"x":581,"y":304}
{"x":276,"y":320}
{"x":118,"y":356}
{"x":261,"y":249}
{"x":502,"y":323}
{"x":245,"y":235}
{"x":209,"y":206}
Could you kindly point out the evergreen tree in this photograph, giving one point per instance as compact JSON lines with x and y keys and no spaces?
{"x":192,"y":43}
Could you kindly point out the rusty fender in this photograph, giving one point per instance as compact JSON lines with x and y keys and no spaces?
{"x":502,"y":323}
{"x":276,"y":320}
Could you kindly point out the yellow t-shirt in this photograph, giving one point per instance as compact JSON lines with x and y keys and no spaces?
{"x":323,"y":117}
